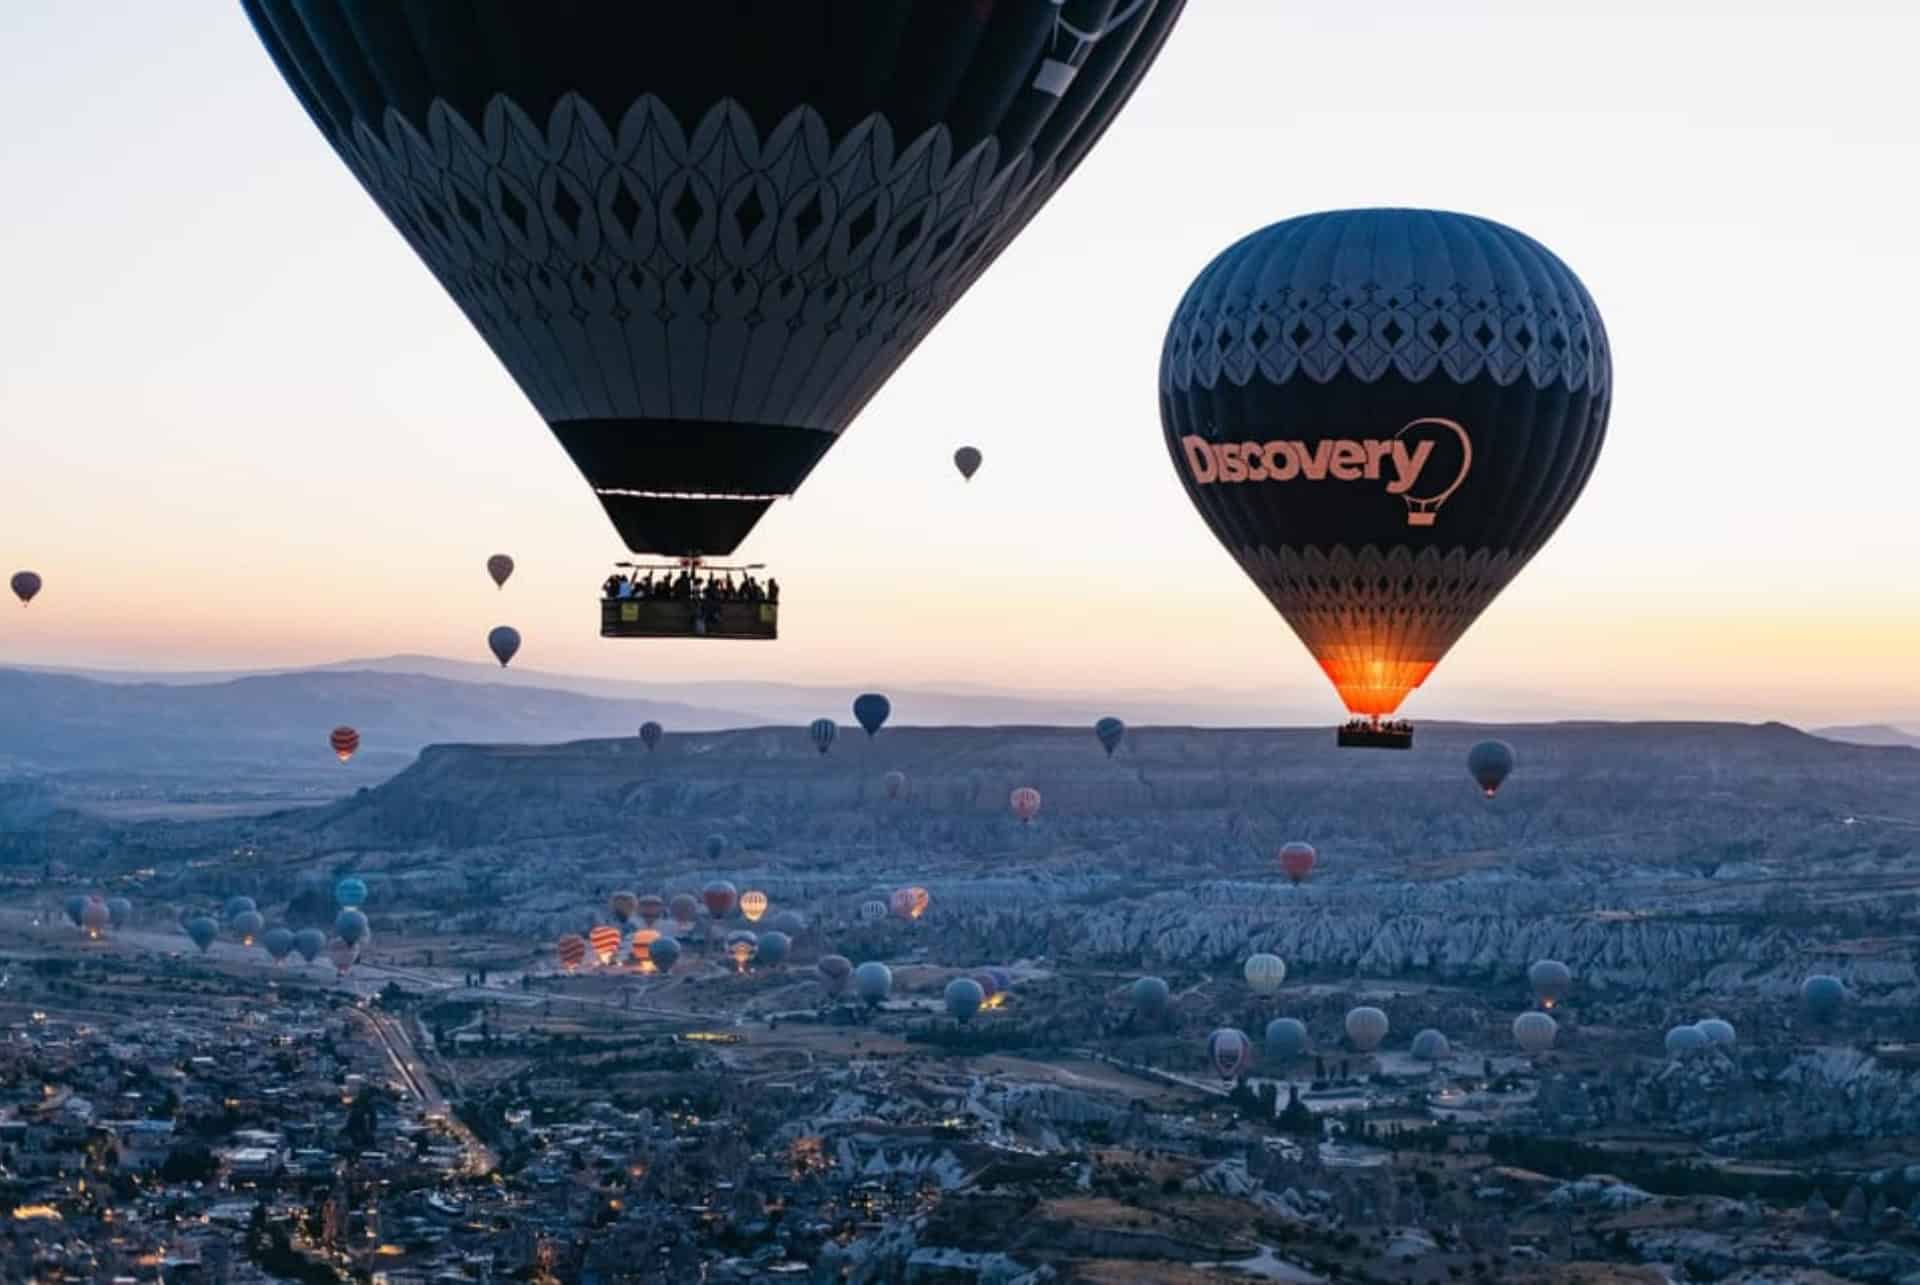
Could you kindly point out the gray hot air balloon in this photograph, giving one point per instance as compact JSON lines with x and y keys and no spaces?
{"x":1286,"y":1038}
{"x":967,"y":460}
{"x":1535,"y":1032}
{"x":279,"y":943}
{"x":25,"y":585}
{"x":1683,"y":1041}
{"x":237,"y":906}
{"x":1550,"y":980}
{"x":1431,"y":1046}
{"x":310,"y":942}
{"x":873,"y":982}
{"x":835,"y":971}
{"x":1719,"y":1032}
{"x":774,"y":948}
{"x":247,"y":926}
{"x":120,"y":910}
{"x":964,"y":998}
{"x":1151,"y":996}
{"x":350,"y":926}
{"x":202,"y":931}
{"x":503,"y":641}
{"x":1823,"y":995}
{"x":1366,"y":1027}
{"x":872,"y":910}
{"x":665,"y":953}
{"x":1265,"y":973}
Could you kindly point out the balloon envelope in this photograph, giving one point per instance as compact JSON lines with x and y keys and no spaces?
{"x":896,"y":783}
{"x":720,"y":898}
{"x":834,"y":970}
{"x":967,"y":460}
{"x":775,"y":946}
{"x":344,"y":955}
{"x":821,"y":732}
{"x":964,"y":998}
{"x":499,"y":566}
{"x":1488,"y":763}
{"x":622,"y":905}
{"x":650,"y":908}
{"x":1718,"y":1032}
{"x":1366,"y":1027}
{"x":310,"y":942}
{"x":753,"y":904}
{"x":1550,"y":980}
{"x":279,"y":943}
{"x":911,"y":903}
{"x":790,"y":922}
{"x":237,"y":906}
{"x":344,"y":741}
{"x":1025,"y":803}
{"x":1683,"y":1040}
{"x":870,"y":710}
{"x":95,"y":918}
{"x":202,"y":931}
{"x":665,"y":953}
{"x":25,"y":585}
{"x":572,"y":951}
{"x":351,"y":892}
{"x":1231,"y":1052}
{"x":684,"y":908}
{"x":1823,"y":995}
{"x":1383,"y":415}
{"x":1286,"y":1038}
{"x":1431,"y":1046}
{"x":1265,"y":973}
{"x":504,"y":642}
{"x":604,"y":941}
{"x":1110,"y":732}
{"x":75,"y":906}
{"x":350,"y":926}
{"x":1151,"y":996}
{"x":701,"y":236}
{"x":1535,"y":1032}
{"x":650,"y":734}
{"x":872,"y":981}
{"x":119,"y":910}
{"x":1297,"y":860}
{"x":247,"y":925}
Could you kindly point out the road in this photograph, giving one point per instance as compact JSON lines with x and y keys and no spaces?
{"x":391,"y":1032}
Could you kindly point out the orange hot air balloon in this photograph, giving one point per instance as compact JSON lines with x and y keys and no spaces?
{"x":1296,"y":860}
{"x":641,"y":951}
{"x":753,"y":904}
{"x":572,"y":949}
{"x":344,"y":741}
{"x":605,"y":940}
{"x":1025,"y":802}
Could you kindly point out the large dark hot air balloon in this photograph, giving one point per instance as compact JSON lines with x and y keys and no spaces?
{"x":344,"y":741}
{"x":870,"y":710}
{"x":1111,"y":732}
{"x":1383,"y":414}
{"x":1488,"y":763}
{"x":504,"y":642}
{"x":967,"y":460}
{"x":701,"y":236}
{"x":499,"y":566}
{"x":25,"y":584}
{"x":650,"y":734}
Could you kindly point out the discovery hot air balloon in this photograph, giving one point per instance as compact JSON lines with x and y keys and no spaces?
{"x":821,"y":732}
{"x":967,"y":460}
{"x":344,"y":741}
{"x":1488,"y":763}
{"x":504,"y":642}
{"x":1383,"y":415}
{"x":870,"y":710}
{"x":25,"y":585}
{"x":701,"y":236}
{"x":1296,"y":860}
{"x":1025,"y":803}
{"x":499,"y":566}
{"x":1110,"y":731}
{"x":650,"y":734}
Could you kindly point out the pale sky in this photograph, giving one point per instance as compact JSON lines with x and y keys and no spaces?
{"x":240,"y":425}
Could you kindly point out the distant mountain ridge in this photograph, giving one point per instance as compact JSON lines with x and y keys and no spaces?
{"x":1876,"y":734}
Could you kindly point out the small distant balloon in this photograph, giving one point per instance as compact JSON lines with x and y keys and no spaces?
{"x":504,"y":642}
{"x":1025,"y":803}
{"x":279,"y":943}
{"x":1718,"y":1032}
{"x":120,"y":911}
{"x":1111,"y":732}
{"x":1550,"y":980}
{"x":499,"y":566}
{"x":685,"y":907}
{"x":665,"y":953}
{"x":247,"y":925}
{"x":720,"y":898}
{"x":622,"y":905}
{"x":344,"y":955}
{"x":873,"y":910}
{"x":1683,"y":1041}
{"x":910,"y":903}
{"x":351,"y":892}
{"x":202,"y":931}
{"x":1286,"y":1038}
{"x":873,"y":982}
{"x":967,"y":460}
{"x":344,"y":741}
{"x":650,"y":908}
{"x":1297,"y":860}
{"x":650,"y":734}
{"x":310,"y":942}
{"x":964,"y":998}
{"x":1823,"y":995}
{"x":715,"y":845}
{"x":572,"y":951}
{"x":896,"y":783}
{"x":74,"y":907}
{"x":604,"y":939}
{"x":26,"y":584}
{"x":741,"y":947}
{"x":870,"y":710}
{"x":350,"y":926}
{"x":236,"y":907}
{"x":1265,"y":973}
{"x":1488,"y":763}
{"x":790,"y":922}
{"x":1431,"y":1046}
{"x":95,"y":918}
{"x":1231,"y":1052}
{"x":1151,"y":996}
{"x":835,"y":971}
{"x":775,"y":946}
{"x":1535,"y":1032}
{"x":753,"y":904}
{"x":822,"y":731}
{"x":1366,"y":1027}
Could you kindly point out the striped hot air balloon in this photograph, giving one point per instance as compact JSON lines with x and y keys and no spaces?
{"x":640,"y":950}
{"x":572,"y":950}
{"x":753,"y":904}
{"x":344,"y":741}
{"x":605,"y":940}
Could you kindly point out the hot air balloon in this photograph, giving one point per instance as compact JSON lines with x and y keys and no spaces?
{"x":1110,"y":731}
{"x":964,"y":998}
{"x":344,"y":955}
{"x":741,"y":947}
{"x":790,"y":922}
{"x":640,"y":949}
{"x":351,"y":892}
{"x":202,"y":931}
{"x":1431,"y":1046}
{"x":1265,"y":973}
{"x":720,"y":898}
{"x":95,"y":918}
{"x":310,"y":942}
{"x":665,"y":953}
{"x":73,"y":908}
{"x":1488,"y":763}
{"x":873,"y":910}
{"x":650,"y":908}
{"x":989,"y":984}
{"x":1286,"y":1039}
{"x":967,"y":460}
{"x":344,"y":741}
{"x":870,"y":710}
{"x":572,"y":950}
{"x":1683,"y":1041}
{"x":774,"y":948}
{"x":622,"y":906}
{"x":236,"y":907}
{"x":1550,"y":980}
{"x":119,"y":911}
{"x":503,"y":641}
{"x":604,"y":941}
{"x":1366,"y":1027}
{"x":1297,"y":860}
{"x":26,"y":584}
{"x":1719,"y":1032}
{"x":685,"y":908}
{"x":910,"y":903}
{"x":247,"y":926}
{"x":279,"y":943}
{"x":896,"y":783}
{"x":701,"y":236}
{"x":873,"y":982}
{"x":499,"y":566}
{"x":716,"y":844}
{"x":822,"y":731}
{"x":1150,"y":996}
{"x":1025,"y":803}
{"x":753,"y":904}
{"x":1231,"y":1052}
{"x":1823,"y":995}
{"x":1535,"y":1032}
{"x":834,"y":970}
{"x":1383,"y":414}
{"x":650,"y":734}
{"x":350,"y":926}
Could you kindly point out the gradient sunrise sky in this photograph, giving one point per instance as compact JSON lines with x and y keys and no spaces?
{"x":242,"y":426}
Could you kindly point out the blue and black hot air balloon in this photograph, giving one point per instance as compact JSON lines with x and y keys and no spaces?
{"x":701,"y":236}
{"x":870,"y":710}
{"x":351,"y":892}
{"x":1110,"y":731}
{"x":821,"y":732}
{"x":1383,"y":415}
